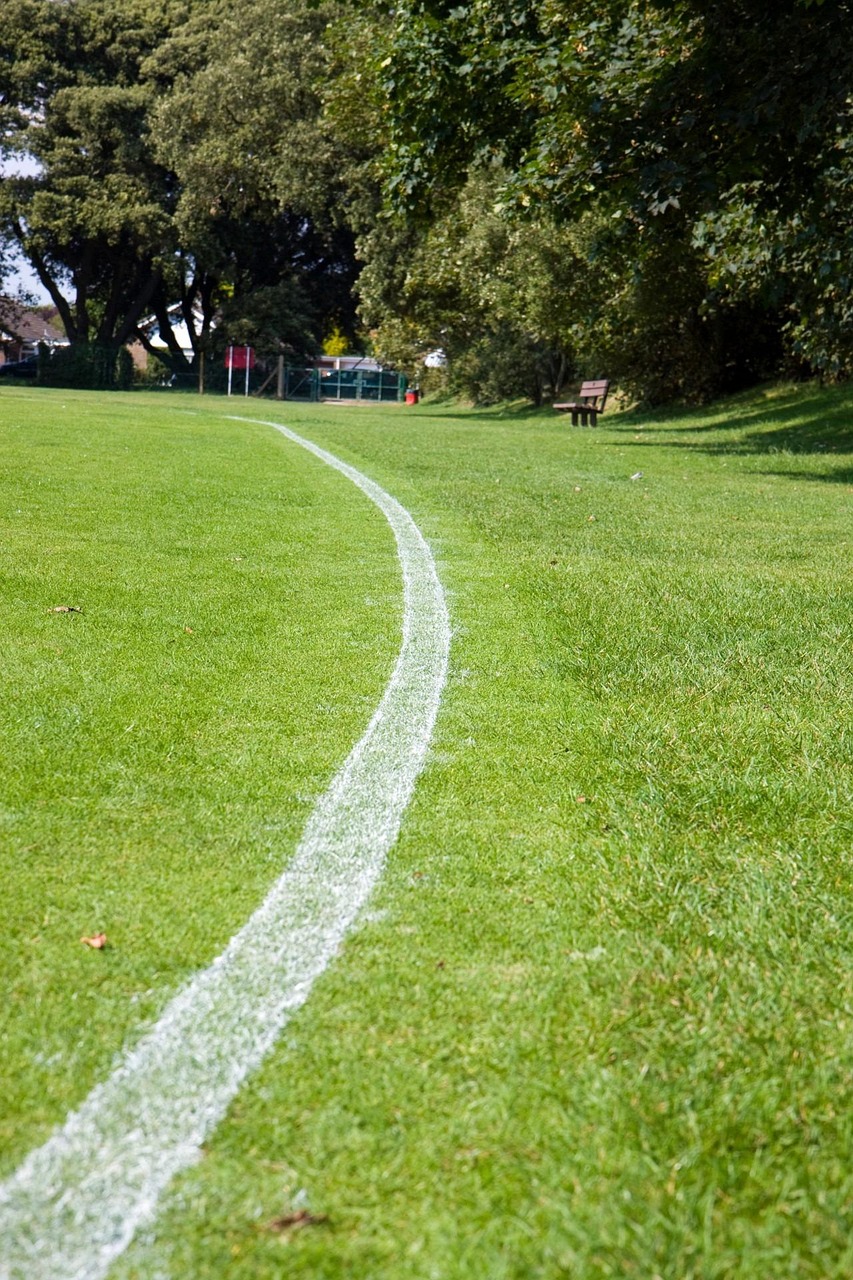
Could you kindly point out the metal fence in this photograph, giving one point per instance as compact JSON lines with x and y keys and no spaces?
{"x":343,"y":384}
{"x":308,"y":385}
{"x":289,"y":383}
{"x":360,"y":384}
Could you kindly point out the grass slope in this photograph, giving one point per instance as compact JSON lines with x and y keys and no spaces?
{"x":599,"y":1020}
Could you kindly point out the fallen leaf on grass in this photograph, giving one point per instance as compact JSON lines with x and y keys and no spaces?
{"x":97,"y":941}
{"x":65,"y":608}
{"x":189,"y":631}
{"x":295,"y":1221}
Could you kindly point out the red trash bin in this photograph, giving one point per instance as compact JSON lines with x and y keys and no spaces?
{"x":412,"y":396}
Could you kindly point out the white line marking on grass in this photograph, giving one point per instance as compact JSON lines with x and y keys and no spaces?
{"x":74,"y":1204}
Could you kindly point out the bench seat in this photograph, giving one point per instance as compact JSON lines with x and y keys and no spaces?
{"x":591,"y":400}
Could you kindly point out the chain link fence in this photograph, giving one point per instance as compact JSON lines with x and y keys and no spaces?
{"x":90,"y":366}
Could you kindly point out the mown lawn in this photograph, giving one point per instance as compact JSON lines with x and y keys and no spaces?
{"x":598,"y":1020}
{"x":162,"y":746}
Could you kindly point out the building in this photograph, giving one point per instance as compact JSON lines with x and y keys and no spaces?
{"x":24,"y":329}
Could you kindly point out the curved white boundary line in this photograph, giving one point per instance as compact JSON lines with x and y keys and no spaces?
{"x":74,"y":1204}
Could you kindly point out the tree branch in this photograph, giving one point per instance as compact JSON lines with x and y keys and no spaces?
{"x":39,"y":265}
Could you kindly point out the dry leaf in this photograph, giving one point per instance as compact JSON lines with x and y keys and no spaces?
{"x":189,"y":631}
{"x":65,"y":608}
{"x":294,"y":1221}
{"x":97,"y":941}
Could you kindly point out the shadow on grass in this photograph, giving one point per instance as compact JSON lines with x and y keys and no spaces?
{"x":799,"y":420}
{"x":844,"y":475}
{"x":795,"y":419}
{"x":508,"y":412}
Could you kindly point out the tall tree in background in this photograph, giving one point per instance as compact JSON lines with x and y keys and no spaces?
{"x":174,"y":156}
{"x":659,"y":191}
{"x":711,"y":137}
{"x":94,"y":214}
{"x":502,"y":298}
{"x":261,"y":196}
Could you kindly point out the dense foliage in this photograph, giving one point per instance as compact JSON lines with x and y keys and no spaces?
{"x":140,"y":129}
{"x":710,"y":138}
{"x":541,"y":189}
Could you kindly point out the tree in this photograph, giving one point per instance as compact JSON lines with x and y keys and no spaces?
{"x":95,"y":217}
{"x":178,"y":158}
{"x":504,"y":298}
{"x":261,"y":196}
{"x":716,"y":133}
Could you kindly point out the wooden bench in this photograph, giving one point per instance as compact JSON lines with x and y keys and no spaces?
{"x":589,"y":404}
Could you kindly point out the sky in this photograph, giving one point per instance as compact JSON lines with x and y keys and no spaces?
{"x":21,"y":276}
{"x":22,"y":279}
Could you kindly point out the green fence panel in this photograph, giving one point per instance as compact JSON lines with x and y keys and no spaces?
{"x":301,"y":384}
{"x":361,"y":384}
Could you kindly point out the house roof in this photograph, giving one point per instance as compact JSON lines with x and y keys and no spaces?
{"x":21,"y":324}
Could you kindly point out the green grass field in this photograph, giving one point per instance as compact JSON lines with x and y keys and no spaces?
{"x":598,"y":1021}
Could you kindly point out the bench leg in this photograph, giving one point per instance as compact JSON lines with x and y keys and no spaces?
{"x":574,"y":417}
{"x":593,"y":417}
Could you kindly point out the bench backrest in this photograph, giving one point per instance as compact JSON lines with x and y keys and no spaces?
{"x":591,"y":392}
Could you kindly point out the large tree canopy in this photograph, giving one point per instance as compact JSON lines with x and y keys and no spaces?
{"x":644,"y":104}
{"x":260,"y":195}
{"x":95,"y":216}
{"x":174,"y":156}
{"x":659,"y":190}
{"x":717,"y":132}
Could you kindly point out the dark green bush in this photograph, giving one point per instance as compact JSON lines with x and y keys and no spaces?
{"x":86,"y":366}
